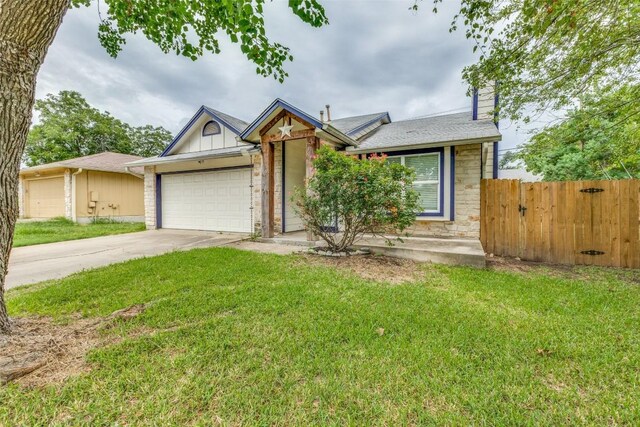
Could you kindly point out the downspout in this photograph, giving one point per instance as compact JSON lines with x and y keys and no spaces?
{"x":74,"y":213}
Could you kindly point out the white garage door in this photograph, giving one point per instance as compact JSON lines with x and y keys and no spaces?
{"x":218,"y":201}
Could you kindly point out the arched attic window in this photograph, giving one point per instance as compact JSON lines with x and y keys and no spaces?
{"x":211,"y":128}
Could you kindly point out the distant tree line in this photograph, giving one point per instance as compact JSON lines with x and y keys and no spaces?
{"x":600,"y":139}
{"x":69,"y":127}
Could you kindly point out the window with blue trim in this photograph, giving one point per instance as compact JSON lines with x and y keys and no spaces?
{"x":211,"y":128}
{"x":427,"y":182}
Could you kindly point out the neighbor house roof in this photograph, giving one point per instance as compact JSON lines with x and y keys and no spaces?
{"x":105,"y":162}
{"x":459,"y":127}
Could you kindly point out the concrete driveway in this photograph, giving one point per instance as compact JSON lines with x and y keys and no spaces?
{"x":31,"y":264}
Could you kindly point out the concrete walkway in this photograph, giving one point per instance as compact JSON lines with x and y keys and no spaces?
{"x":440,"y":250}
{"x":32,"y":264}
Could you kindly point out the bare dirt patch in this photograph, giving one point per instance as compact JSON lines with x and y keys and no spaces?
{"x":516,"y":265}
{"x":579,"y":272}
{"x":372,"y":267}
{"x":40,"y":351}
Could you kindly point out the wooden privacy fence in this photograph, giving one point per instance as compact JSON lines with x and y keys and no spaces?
{"x":572,"y":222}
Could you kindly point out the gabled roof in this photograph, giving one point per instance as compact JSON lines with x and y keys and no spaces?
{"x":279,"y":103}
{"x":104,"y":162}
{"x":323,"y":129}
{"x":430,"y":130}
{"x":234,"y":124}
{"x":352,"y":125}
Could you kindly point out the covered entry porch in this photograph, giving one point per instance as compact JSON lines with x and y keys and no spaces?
{"x":288,"y":139}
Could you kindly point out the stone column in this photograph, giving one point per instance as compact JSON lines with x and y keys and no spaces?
{"x":150,"y":197}
{"x":267,"y":180}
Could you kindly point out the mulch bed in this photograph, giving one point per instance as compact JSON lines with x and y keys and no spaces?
{"x":372,"y":267}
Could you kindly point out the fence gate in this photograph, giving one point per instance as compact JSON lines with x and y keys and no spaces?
{"x":572,"y":222}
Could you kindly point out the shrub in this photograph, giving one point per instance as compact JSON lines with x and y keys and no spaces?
{"x":348,"y":197}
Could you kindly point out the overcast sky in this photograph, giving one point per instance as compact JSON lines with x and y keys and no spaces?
{"x":375,"y":55}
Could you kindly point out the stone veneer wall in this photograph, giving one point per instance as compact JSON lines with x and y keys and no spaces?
{"x":150,"y":197}
{"x":467,"y":194}
{"x":487,"y":160}
{"x":467,"y":199}
{"x":257,"y":190}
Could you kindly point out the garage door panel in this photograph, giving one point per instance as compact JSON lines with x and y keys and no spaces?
{"x":218,"y":201}
{"x":45,"y":197}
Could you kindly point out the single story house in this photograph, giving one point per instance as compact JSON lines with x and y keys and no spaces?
{"x":96,"y":186}
{"x":226,"y":174}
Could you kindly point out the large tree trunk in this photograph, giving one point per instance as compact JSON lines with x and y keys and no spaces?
{"x":27,"y":28}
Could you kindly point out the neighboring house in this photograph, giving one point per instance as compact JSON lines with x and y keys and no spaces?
{"x":519,"y":173}
{"x":96,"y":186}
{"x":222,"y":173}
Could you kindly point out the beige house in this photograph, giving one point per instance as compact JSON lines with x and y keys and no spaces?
{"x":224,"y":174}
{"x":96,"y":186}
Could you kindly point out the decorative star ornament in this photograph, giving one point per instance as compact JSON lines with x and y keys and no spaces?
{"x":285,"y":130}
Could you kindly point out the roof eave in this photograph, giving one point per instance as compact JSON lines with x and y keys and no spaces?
{"x":41,"y":168}
{"x":345,"y":139}
{"x":358,"y":128}
{"x":277,"y":103}
{"x":176,"y":159}
{"x":444,"y":143}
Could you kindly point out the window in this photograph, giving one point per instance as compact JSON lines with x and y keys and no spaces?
{"x":211,"y":128}
{"x":427,"y":183}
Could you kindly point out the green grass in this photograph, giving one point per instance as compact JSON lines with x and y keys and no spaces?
{"x":61,"y":229}
{"x":255,"y":339}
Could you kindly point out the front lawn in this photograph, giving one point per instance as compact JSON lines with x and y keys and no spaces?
{"x":60,"y":229}
{"x":232,"y":337}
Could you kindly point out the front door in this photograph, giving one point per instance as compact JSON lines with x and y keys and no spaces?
{"x":294,"y":171}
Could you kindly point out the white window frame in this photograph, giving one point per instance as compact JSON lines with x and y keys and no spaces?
{"x":402,"y":157}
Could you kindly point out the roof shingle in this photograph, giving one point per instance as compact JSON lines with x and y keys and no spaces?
{"x":429,"y":130}
{"x":235,"y":122}
{"x":105,"y":162}
{"x":348,"y":124}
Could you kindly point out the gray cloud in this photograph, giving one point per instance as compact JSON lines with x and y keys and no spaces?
{"x":375,"y":55}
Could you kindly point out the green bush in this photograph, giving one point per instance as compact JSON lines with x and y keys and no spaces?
{"x":348,"y":197}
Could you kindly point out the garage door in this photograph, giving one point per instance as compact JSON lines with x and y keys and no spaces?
{"x":218,"y":201}
{"x":45,"y":197}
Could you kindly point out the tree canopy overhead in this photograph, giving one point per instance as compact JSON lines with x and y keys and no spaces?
{"x":69,"y":127}
{"x":547,"y":53}
{"x":193,"y":28}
